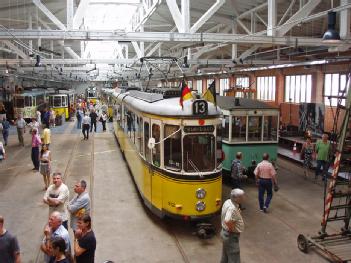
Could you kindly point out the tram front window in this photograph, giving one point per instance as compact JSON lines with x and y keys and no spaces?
{"x":172,"y":147}
{"x":199,"y":153}
{"x":57,"y":102}
{"x":19,"y":102}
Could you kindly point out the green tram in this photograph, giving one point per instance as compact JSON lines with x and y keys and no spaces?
{"x":248,"y":126}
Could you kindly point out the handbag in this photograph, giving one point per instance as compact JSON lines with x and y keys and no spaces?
{"x":276,"y":188}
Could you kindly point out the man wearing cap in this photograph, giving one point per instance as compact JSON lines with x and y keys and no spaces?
{"x":232,"y":226}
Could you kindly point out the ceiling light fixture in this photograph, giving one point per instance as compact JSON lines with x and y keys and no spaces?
{"x":331,"y":35}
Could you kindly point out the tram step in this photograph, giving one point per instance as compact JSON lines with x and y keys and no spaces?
{"x":339,"y":182}
{"x":338,"y":218}
{"x":335,"y":207}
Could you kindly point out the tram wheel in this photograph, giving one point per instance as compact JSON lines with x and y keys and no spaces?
{"x":205,"y":230}
{"x":302,"y":243}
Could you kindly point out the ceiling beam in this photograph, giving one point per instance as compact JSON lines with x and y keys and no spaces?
{"x":206,"y":16}
{"x":80,"y":12}
{"x":69,"y":50}
{"x":101,"y":35}
{"x":15,"y":49}
{"x":176,"y":15}
{"x":123,"y":61}
{"x":296,"y":18}
{"x":50,"y":15}
{"x":272,"y":17}
{"x":70,"y":14}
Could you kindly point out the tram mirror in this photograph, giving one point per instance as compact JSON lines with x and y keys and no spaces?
{"x":151,"y":143}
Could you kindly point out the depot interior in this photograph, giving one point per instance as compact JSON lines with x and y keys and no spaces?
{"x":293,"y":55}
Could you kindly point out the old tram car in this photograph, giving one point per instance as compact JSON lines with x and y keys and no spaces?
{"x":28,"y":102}
{"x":171,"y":152}
{"x":249,"y":126}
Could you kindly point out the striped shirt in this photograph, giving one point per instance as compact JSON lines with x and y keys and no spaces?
{"x":231,"y":212}
{"x":265,"y":170}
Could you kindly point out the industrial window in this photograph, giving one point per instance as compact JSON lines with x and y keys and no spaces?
{"x":266,"y":88}
{"x":190,"y":84}
{"x":298,"y":88}
{"x":223,"y":86}
{"x":241,"y":82}
{"x":199,"y":86}
{"x":209,"y":82}
{"x":334,"y":84}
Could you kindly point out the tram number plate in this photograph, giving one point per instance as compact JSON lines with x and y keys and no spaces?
{"x":200,"y":107}
{"x":206,"y":128}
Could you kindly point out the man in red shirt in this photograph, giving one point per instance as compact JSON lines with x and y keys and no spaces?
{"x":266,"y":176}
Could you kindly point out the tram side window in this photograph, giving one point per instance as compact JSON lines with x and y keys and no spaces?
{"x":138,"y":132}
{"x":239,"y":128}
{"x":199,"y":153}
{"x":40,"y":99}
{"x":64,"y":101}
{"x":140,"y":138}
{"x":225,"y":126}
{"x":118,"y":110}
{"x":270,"y":132}
{"x":219,"y":145}
{"x":28,"y":101}
{"x":156,"y":150}
{"x":172,"y":148}
{"x":146,"y":140}
{"x":255,"y":128}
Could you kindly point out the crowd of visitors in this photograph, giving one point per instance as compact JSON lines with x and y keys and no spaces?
{"x":57,"y":245}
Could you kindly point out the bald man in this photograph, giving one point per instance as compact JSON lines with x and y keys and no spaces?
{"x":232,"y":225}
{"x":9,"y":248}
{"x":54,"y":228}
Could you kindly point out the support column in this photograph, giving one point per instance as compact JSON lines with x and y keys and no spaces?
{"x":234,"y":46}
{"x":345,"y":20}
{"x":186,"y":15}
{"x":30,"y":26}
{"x":69,"y":14}
{"x":272,"y":17}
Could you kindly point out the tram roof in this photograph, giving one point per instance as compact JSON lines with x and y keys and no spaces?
{"x":228,"y":103}
{"x":164,"y":106}
{"x":30,"y":93}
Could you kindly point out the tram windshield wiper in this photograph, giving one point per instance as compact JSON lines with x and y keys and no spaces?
{"x":192,"y":164}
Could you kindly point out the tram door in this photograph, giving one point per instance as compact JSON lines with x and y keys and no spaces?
{"x":156,"y":180}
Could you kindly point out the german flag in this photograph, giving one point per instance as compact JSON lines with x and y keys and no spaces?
{"x":185,"y":93}
{"x":210,"y":94}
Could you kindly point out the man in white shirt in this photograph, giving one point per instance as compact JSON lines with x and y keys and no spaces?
{"x":56,"y":197}
{"x":21,"y":128}
{"x":86,"y":125}
{"x":232,"y":226}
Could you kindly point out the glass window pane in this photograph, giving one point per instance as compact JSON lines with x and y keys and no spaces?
{"x":146,"y":140}
{"x":199,"y":153}
{"x":156,"y":150}
{"x":308,"y":88}
{"x":270,"y":128}
{"x":172,"y":148}
{"x":225,"y":126}
{"x":303,"y":89}
{"x":239,"y":128}
{"x":297,"y":89}
{"x":287,"y":88}
{"x":293,"y":84}
{"x":254,"y":132}
{"x":273,"y":88}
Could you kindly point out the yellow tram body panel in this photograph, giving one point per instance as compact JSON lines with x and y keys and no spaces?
{"x":61,"y":111}
{"x":169,"y":196}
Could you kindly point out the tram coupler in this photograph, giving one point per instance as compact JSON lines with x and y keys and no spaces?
{"x":205,"y":230}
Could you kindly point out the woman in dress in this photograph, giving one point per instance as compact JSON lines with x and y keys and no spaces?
{"x":45,"y":164}
{"x":307,"y":151}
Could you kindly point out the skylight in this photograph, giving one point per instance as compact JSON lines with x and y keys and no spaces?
{"x":107,"y":15}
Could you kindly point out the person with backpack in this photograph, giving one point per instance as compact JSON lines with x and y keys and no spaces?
{"x":79,"y":115}
{"x":237,"y":171}
{"x":5,"y":130}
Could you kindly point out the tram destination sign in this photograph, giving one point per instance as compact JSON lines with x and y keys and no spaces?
{"x":200,"y":107}
{"x":205,"y":128}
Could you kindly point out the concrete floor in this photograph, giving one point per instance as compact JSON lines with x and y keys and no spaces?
{"x":126,"y":231}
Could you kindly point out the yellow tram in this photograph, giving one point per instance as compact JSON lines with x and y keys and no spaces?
{"x":91,"y":95}
{"x":62,"y":103}
{"x":171,"y":152}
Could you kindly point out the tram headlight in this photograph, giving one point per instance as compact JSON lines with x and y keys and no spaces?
{"x":200,"y":193}
{"x":200,"y":206}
